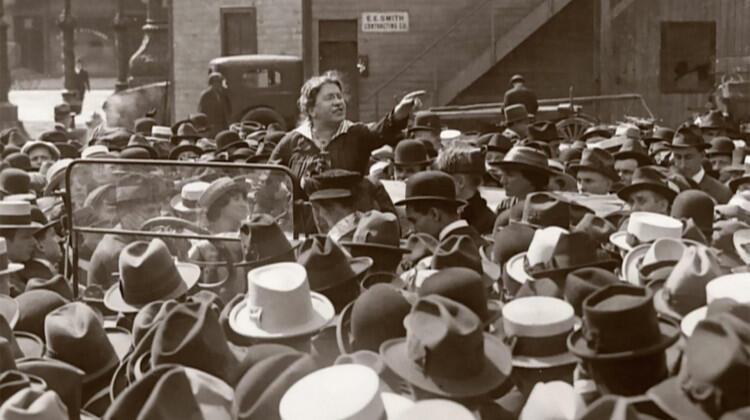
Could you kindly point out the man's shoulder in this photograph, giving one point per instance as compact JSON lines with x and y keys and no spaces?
{"x":715,"y":188}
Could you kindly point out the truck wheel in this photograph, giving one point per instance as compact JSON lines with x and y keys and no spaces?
{"x":265,"y":116}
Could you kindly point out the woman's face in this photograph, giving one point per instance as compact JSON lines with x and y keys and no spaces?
{"x":330,"y":107}
{"x":237,"y":209}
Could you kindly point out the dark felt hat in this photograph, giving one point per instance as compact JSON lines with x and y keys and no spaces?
{"x":713,"y":379}
{"x":259,"y":392}
{"x":713,"y":119}
{"x":63,"y":378}
{"x":648,"y":178}
{"x":33,"y":307}
{"x":458,"y":362}
{"x":175,"y":153}
{"x":659,"y":134}
{"x":173,"y":392}
{"x":686,"y":137}
{"x":148,"y":273}
{"x":572,"y":251}
{"x":134,"y":187}
{"x":143,"y":125}
{"x":696,"y":205}
{"x":18,"y":160}
{"x":135,"y":152}
{"x":511,"y":240}
{"x":327,"y":264}
{"x":53,"y":136}
{"x":191,"y":335}
{"x":544,"y":131}
{"x":720,"y":146}
{"x":227,"y":139}
{"x":57,"y":284}
{"x":15,"y":181}
{"x":263,"y":242}
{"x":514,"y":113}
{"x":139,"y":140}
{"x":425,"y":121}
{"x":542,"y":209}
{"x":186,"y":131}
{"x":498,"y":143}
{"x":597,"y":160}
{"x":13,"y":380}
{"x":410,"y":152}
{"x":620,"y":322}
{"x":464,"y":286}
{"x":429,"y":186}
{"x":581,"y":283}
{"x":633,"y":149}
{"x":379,"y":231}
{"x":219,"y":188}
{"x":376,"y":316}
{"x":597,"y":131}
{"x":524,"y":158}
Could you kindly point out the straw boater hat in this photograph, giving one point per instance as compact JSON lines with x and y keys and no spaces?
{"x":646,"y":227}
{"x":280,"y":305}
{"x":16,"y":215}
{"x":187,"y":200}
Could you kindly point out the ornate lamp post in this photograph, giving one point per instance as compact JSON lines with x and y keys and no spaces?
{"x":8,"y":111}
{"x":150,"y":63}
{"x":67,"y":25}
{"x":121,"y":28}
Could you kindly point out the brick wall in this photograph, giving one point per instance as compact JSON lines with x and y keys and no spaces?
{"x":197,"y":39}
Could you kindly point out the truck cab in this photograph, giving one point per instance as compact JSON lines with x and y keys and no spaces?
{"x":262,"y":87}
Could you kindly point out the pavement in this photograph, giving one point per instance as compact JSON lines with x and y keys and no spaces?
{"x":36,"y":107}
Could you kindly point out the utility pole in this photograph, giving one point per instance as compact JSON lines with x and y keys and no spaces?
{"x":67,"y":25}
{"x":8,"y":111}
{"x":121,"y":28}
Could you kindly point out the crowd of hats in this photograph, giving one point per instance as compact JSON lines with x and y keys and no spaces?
{"x":558,"y":311}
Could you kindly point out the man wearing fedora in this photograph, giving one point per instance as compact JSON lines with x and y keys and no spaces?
{"x":17,"y":228}
{"x":524,"y":170}
{"x":632,"y":155}
{"x":595,"y":172}
{"x":650,"y":191}
{"x":688,"y":150}
{"x":516,"y":122}
{"x":334,"y":213}
{"x":135,"y":203}
{"x":466,"y":165}
{"x":720,"y":155}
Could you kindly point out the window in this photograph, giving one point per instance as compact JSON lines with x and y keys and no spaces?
{"x":261,"y":78}
{"x":239,"y":34}
{"x":688,"y":51}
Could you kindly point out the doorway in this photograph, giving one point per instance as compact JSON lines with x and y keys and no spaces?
{"x":337,"y":50}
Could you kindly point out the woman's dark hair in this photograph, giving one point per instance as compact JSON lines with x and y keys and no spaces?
{"x":214,"y":212}
{"x":311,"y":88}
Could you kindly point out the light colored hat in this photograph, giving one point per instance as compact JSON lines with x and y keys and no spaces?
{"x":55,"y":174}
{"x":733,"y":286}
{"x":740,"y":200}
{"x":16,"y":215}
{"x":553,"y":400}
{"x":437,"y":409}
{"x":515,"y":269}
{"x":33,"y":403}
{"x":161,"y":133}
{"x":346,"y":391}
{"x":741,"y":240}
{"x":628,"y":130}
{"x":661,"y":251}
{"x":95,"y":151}
{"x":542,"y":245}
{"x":187,"y":201}
{"x":647,"y":227}
{"x":53,"y":150}
{"x":279,"y":304}
{"x":7,"y":267}
{"x":533,"y":323}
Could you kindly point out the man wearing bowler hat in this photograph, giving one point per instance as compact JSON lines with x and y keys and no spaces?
{"x":688,"y":150}
{"x":432,"y":206}
{"x":409,"y":157}
{"x":516,"y":122}
{"x":520,"y":94}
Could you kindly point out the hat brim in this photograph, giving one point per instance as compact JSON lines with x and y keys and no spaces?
{"x":121,"y":340}
{"x":669,"y":329}
{"x":691,"y":320}
{"x":418,"y":163}
{"x":574,"y":168}
{"x":529,"y":362}
{"x":358,"y":266}
{"x":175,"y":153}
{"x":422,"y":198}
{"x":374,"y":246}
{"x":177,"y":205}
{"x":521,"y":166}
{"x":619,"y":239}
{"x":625,"y":192}
{"x":114,"y":301}
{"x":662,"y":306}
{"x":343,"y":330}
{"x":323,"y":313}
{"x":12,"y":268}
{"x":9,"y":308}
{"x":629,"y":269}
{"x":516,"y":272}
{"x":30,"y":344}
{"x":670,"y":398}
{"x":495,"y":371}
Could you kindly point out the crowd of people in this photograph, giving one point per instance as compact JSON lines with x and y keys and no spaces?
{"x":144,"y":274}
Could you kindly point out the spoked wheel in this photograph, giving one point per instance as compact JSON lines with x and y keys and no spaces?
{"x":573,"y":128}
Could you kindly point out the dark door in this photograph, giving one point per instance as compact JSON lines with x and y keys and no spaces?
{"x":338,"y":51}
{"x":239,"y":33}
{"x":29,"y":35}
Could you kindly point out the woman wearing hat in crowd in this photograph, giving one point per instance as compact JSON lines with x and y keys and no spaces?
{"x":40,"y":152}
{"x":326,"y":139}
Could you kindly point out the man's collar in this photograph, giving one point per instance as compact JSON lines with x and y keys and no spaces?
{"x":451,"y":227}
{"x":698,"y":177}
